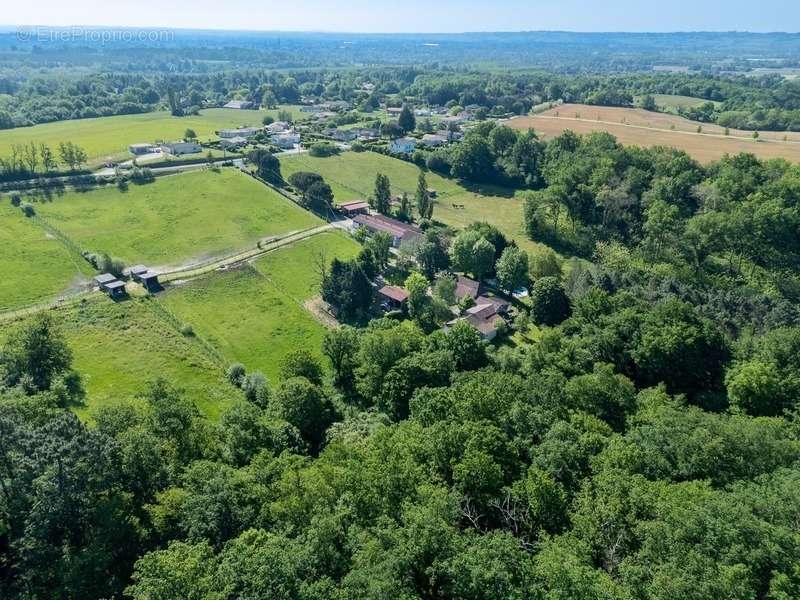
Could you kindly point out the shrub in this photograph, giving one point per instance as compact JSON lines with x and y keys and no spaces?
{"x":187,"y":330}
{"x":236,"y":374}
{"x":323,"y":149}
{"x":143,"y":175}
{"x":16,"y":200}
{"x":27,"y":209}
{"x":256,"y":389}
{"x":106,"y":264}
{"x":301,"y":363}
{"x":502,"y":327}
{"x":465,"y":303}
{"x":522,"y":322}
{"x":438,"y":161}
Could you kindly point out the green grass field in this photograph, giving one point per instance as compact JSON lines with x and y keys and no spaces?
{"x":119,"y":348}
{"x":107,"y":138}
{"x":34,"y":267}
{"x":176,"y":218}
{"x":351,"y":175}
{"x":255,"y":314}
{"x":671,"y":102}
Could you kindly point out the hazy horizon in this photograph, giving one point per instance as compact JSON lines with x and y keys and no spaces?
{"x":417,"y":16}
{"x":10,"y":27}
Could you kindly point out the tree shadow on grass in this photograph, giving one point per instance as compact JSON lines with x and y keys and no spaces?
{"x":488,"y":189}
{"x":47,"y":193}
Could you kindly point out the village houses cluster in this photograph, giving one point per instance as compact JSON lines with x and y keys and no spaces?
{"x":287,"y":136}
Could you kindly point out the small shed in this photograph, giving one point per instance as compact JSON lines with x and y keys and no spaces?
{"x":359,"y":207}
{"x":142,"y":148}
{"x":116,"y":289}
{"x":104,"y":280}
{"x":393,"y":297}
{"x":136,"y":271}
{"x":149,"y":281}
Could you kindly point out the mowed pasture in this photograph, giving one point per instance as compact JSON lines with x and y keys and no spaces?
{"x":34,"y":266}
{"x":176,"y":218}
{"x":351,"y":175}
{"x":119,"y":348}
{"x":256,"y":314}
{"x":674,"y":102}
{"x":108,"y":138}
{"x":637,"y":127}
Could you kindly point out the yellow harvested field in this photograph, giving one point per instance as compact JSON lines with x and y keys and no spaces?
{"x":637,"y":127}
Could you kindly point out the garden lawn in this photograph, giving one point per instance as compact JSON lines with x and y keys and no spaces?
{"x":34,"y":266}
{"x":255,"y":314}
{"x":107,"y":138}
{"x":118,"y":348}
{"x":176,"y":218}
{"x":351,"y":175}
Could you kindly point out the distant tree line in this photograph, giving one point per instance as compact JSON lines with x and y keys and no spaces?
{"x":762,"y":103}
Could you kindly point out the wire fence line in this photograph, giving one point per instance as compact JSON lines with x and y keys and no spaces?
{"x":240,"y":257}
{"x":31,"y":309}
{"x":222,"y":258}
{"x":179,"y":325}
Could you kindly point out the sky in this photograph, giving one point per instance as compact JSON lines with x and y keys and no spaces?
{"x":419,"y":16}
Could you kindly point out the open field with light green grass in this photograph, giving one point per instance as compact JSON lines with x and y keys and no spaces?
{"x":34,"y":266}
{"x":255,"y":314}
{"x":119,"y":348}
{"x":107,"y":138}
{"x":176,"y":218}
{"x":671,"y":102}
{"x":351,"y":175}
